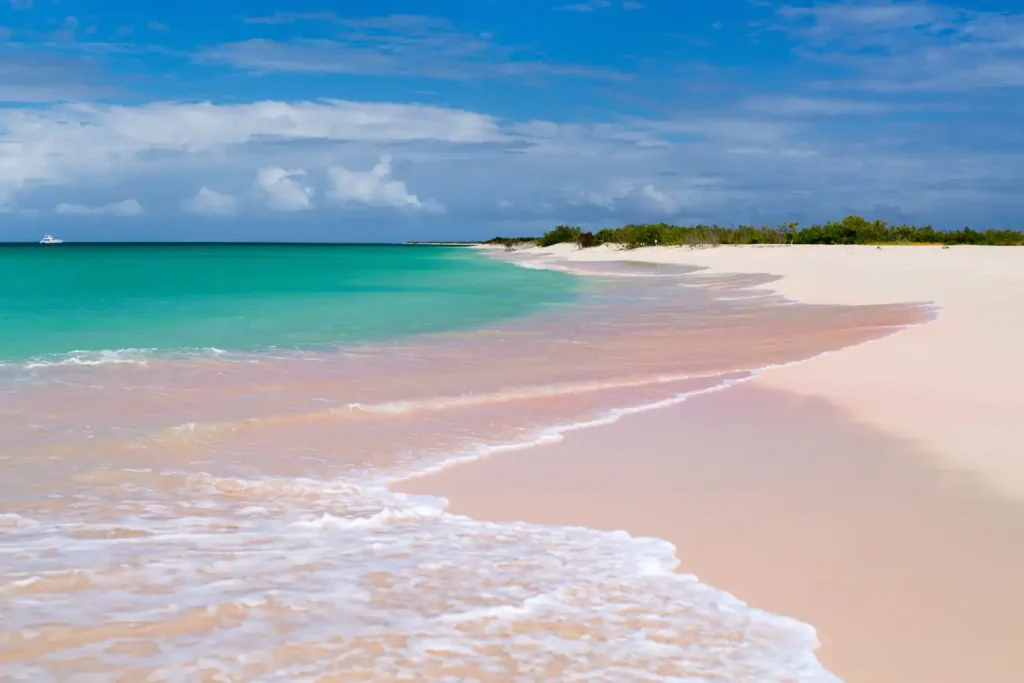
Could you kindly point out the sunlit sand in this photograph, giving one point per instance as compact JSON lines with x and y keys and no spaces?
{"x":876,"y":493}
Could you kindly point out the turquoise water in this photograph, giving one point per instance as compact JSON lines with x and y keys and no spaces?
{"x":59,"y":299}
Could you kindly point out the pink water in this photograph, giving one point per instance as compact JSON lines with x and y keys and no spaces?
{"x":228,"y":517}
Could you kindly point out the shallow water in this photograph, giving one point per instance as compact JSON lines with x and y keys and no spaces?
{"x":226,"y":516}
{"x":78,"y":302}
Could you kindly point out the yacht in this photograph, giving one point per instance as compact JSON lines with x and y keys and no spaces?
{"x":50,"y":239}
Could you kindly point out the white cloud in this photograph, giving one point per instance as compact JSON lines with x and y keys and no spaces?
{"x":638,"y":197}
{"x":586,"y":6}
{"x":128,"y":207}
{"x":877,"y":15}
{"x":653,"y":198}
{"x":641,"y":198}
{"x":813,"y":106}
{"x":194,"y":127}
{"x":375,"y":187}
{"x":911,"y":46}
{"x":285,"y":190}
{"x":595,"y":5}
{"x":30,"y":76}
{"x":59,"y":144}
{"x":209,"y":202}
{"x":396,"y":44}
{"x":474,"y":59}
{"x":161,"y":153}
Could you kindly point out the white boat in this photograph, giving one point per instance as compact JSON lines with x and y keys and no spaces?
{"x":50,"y":239}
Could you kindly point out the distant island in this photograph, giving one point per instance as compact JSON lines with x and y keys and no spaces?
{"x":850,"y":230}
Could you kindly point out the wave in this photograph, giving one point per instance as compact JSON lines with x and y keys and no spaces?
{"x":126,"y":356}
{"x":442,"y":403}
{"x":601,"y":268}
{"x":556,"y":433}
{"x":397,"y":575}
{"x":400,"y":574}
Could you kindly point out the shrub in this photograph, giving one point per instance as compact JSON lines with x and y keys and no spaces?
{"x":850,"y":230}
{"x":560,"y":235}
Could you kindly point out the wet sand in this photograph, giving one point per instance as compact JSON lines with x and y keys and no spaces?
{"x":789,"y":505}
{"x":954,"y":386}
{"x":876,"y":493}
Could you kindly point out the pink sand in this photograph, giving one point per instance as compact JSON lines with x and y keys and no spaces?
{"x":875,"y":493}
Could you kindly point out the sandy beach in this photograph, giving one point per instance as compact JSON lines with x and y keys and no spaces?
{"x":876,"y":492}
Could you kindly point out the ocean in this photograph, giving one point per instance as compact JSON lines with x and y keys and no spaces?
{"x":197,"y":444}
{"x":83,"y":299}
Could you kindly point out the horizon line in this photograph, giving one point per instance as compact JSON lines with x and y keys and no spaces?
{"x":4,"y":243}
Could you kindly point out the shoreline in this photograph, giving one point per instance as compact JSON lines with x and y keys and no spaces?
{"x":975,"y":325}
{"x":954,"y":373}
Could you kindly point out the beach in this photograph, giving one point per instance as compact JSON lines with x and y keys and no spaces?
{"x":875,"y":492}
{"x":244,"y":477}
{"x":579,"y":341}
{"x":200,"y":476}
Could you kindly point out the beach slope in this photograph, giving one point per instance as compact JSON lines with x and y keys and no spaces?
{"x":876,"y":492}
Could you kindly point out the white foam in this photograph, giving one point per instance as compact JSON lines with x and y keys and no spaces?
{"x":353,"y":558}
{"x":387,"y":516}
{"x":556,"y":433}
{"x":12,"y":520}
{"x":326,"y":562}
{"x":127,"y":356}
{"x":118,"y":357}
{"x":565,"y":267}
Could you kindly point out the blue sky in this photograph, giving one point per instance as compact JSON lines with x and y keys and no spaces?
{"x":394,"y":119}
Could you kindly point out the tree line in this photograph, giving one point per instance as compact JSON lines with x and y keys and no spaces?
{"x":850,"y":230}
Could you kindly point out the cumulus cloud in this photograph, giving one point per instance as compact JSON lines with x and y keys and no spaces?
{"x":129,"y":207}
{"x":746,"y":163}
{"x":285,"y":190}
{"x":209,"y":202}
{"x":56,"y":144}
{"x":375,"y":187}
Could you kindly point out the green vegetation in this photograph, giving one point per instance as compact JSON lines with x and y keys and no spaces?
{"x":443,"y":243}
{"x":850,"y":230}
{"x":505,"y":241}
{"x":512,"y":243}
{"x":561,"y":233}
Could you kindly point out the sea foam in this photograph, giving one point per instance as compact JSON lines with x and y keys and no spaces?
{"x":295,"y":578}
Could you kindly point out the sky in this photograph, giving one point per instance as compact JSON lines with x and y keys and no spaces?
{"x":390,"y":120}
